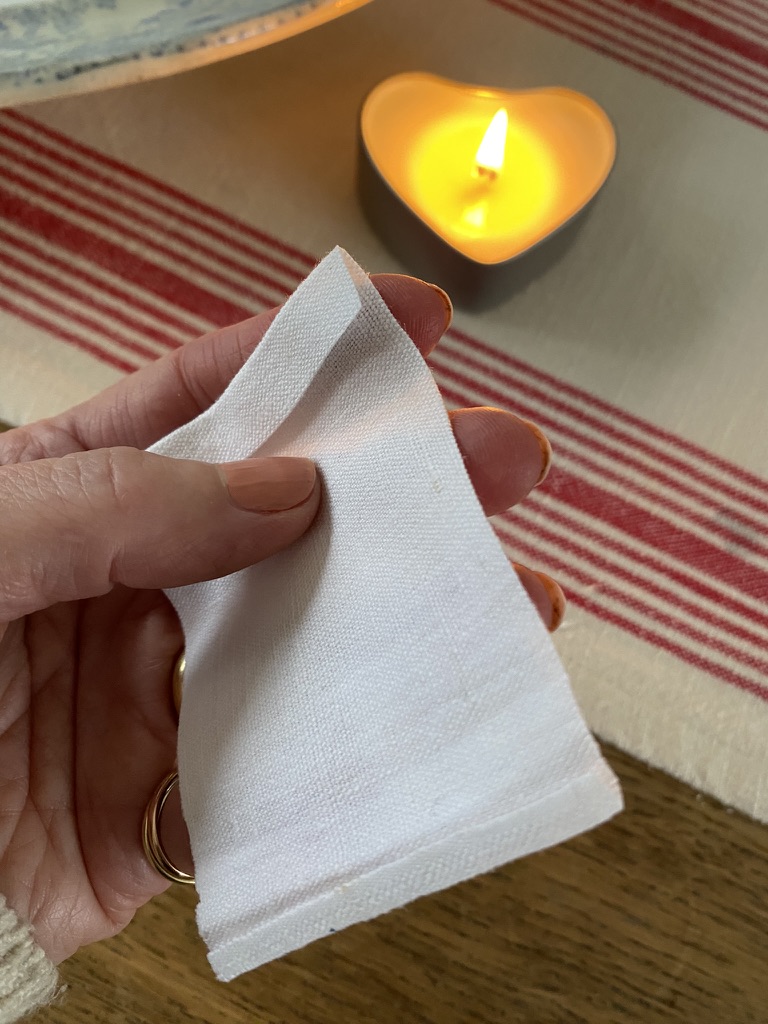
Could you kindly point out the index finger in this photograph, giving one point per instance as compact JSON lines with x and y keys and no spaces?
{"x":145,"y":406}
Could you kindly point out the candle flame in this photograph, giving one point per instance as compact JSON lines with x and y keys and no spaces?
{"x":490,"y":155}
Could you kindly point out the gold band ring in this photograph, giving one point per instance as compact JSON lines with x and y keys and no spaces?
{"x":150,"y":833}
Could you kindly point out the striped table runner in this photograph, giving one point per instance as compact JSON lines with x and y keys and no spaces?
{"x":715,"y":50}
{"x":134,"y":220}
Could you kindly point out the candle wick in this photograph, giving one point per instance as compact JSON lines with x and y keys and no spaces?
{"x":488,"y":173}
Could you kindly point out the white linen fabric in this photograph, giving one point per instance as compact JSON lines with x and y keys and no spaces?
{"x":378,"y":712}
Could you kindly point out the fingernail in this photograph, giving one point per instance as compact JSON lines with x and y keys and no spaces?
{"x":546,"y":450}
{"x":269,"y":485}
{"x":556,"y":596}
{"x":545,"y":593}
{"x":446,"y":302}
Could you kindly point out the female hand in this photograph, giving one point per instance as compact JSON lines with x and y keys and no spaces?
{"x":92,"y":528}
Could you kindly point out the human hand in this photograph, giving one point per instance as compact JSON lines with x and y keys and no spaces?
{"x":92,"y":528}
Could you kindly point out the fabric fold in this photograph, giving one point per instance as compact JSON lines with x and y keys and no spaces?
{"x":378,"y":712}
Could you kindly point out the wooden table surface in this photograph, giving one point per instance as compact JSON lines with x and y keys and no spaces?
{"x":661,"y":915}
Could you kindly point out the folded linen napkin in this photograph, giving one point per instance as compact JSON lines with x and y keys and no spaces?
{"x":378,"y":712}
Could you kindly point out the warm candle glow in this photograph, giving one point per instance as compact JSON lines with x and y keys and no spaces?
{"x":489,"y":159}
{"x":422,"y":133}
{"x":482,"y":213}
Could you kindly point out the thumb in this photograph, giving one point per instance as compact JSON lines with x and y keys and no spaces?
{"x":72,"y":527}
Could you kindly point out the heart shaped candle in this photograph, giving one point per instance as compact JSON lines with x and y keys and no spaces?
{"x":462,"y":181}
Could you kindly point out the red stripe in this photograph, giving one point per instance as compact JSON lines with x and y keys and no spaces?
{"x":78,"y":318}
{"x":685,"y":626}
{"x":105,"y":200}
{"x":622,"y":481}
{"x":571,"y":526}
{"x":134,"y":268}
{"x":736,"y":15}
{"x":581,"y":600}
{"x":701,"y":28}
{"x":113,"y":185}
{"x":615,"y":511}
{"x":125,"y":298}
{"x":60,"y":332}
{"x":628,"y":483}
{"x":144,"y":241}
{"x":672,"y":62}
{"x":165,"y":189}
{"x":681,"y":468}
{"x":619,"y":571}
{"x":525,"y":12}
{"x":618,"y":598}
{"x":671,"y":44}
{"x":515,"y":404}
{"x":614,"y":413}
{"x":660,"y":533}
{"x":750,"y":612}
{"x":57,"y":285}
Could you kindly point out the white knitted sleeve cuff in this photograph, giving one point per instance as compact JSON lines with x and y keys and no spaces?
{"x":28,"y":979}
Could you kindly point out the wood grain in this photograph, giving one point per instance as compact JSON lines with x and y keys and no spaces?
{"x":661,"y":915}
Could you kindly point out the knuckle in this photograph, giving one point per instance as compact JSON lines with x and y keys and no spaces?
{"x":21,"y":445}
{"x":109,"y":476}
{"x":189,"y":384}
{"x":60,"y":524}
{"x":97,"y":480}
{"x":42,"y":440}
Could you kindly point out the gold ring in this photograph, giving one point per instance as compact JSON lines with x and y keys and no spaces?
{"x":150,"y":833}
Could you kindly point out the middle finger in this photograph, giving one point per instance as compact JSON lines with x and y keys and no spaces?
{"x":505,"y":456}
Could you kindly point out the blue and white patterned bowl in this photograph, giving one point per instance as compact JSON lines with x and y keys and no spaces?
{"x":61,"y":47}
